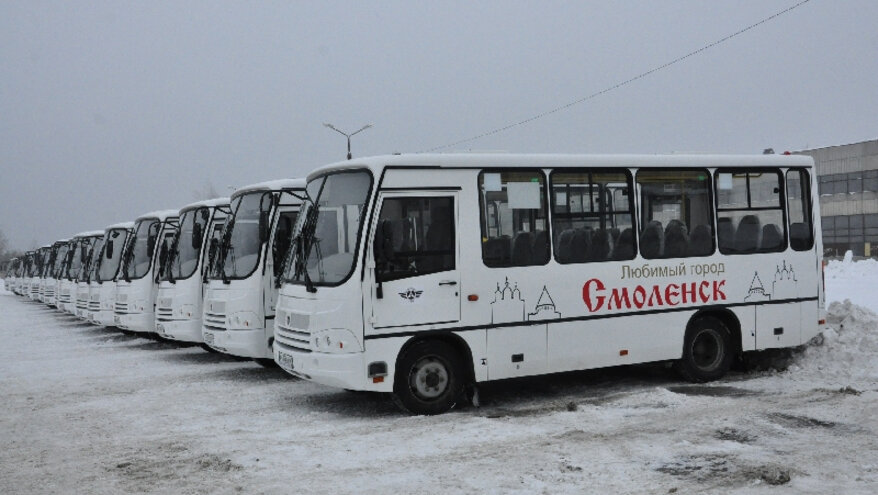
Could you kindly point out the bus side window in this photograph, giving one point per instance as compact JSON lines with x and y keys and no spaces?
{"x":750,"y":215}
{"x":676,"y":213}
{"x":415,"y":237}
{"x":513,"y":218}
{"x":592,"y":215}
{"x":799,"y":210}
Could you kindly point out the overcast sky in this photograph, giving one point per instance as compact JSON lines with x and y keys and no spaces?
{"x":109,"y":110}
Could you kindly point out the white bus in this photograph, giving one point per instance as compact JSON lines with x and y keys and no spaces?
{"x":102,"y":287}
{"x":77,"y":255}
{"x":137,"y":285}
{"x":239,"y":305}
{"x":39,"y":281}
{"x":182,"y":288}
{"x":86,"y":274}
{"x":50,"y":281}
{"x":422,"y":275}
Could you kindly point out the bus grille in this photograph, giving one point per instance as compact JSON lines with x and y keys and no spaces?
{"x":214,"y":321}
{"x":292,"y":331}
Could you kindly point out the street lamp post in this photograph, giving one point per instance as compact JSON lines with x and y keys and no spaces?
{"x":361,"y":129}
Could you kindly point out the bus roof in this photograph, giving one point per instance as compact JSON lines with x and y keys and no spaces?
{"x":518,"y":160}
{"x":162,"y":215}
{"x":121,"y":225}
{"x":89,"y":233}
{"x":272,"y":185}
{"x":210,"y":203}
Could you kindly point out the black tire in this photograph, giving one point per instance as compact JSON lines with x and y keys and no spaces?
{"x":707,"y":350}
{"x":428,"y":378}
{"x":208,"y":348}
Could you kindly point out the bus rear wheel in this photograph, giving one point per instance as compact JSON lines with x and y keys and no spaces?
{"x":707,"y":350}
{"x":428,"y":378}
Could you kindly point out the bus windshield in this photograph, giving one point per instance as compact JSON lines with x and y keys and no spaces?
{"x":112,"y":255}
{"x":60,"y":258}
{"x":330,"y":220}
{"x":140,"y":249}
{"x":75,"y":263}
{"x":187,"y":244}
{"x":84,"y":258}
{"x":95,"y":259}
{"x":241,"y":237}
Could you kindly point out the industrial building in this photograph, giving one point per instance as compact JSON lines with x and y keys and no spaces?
{"x":847,"y":177}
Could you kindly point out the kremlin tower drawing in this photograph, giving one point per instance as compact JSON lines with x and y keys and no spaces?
{"x":782,"y":287}
{"x":508,"y":306}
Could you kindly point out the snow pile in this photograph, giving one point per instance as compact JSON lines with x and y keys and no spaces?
{"x":854,"y":280}
{"x":846,"y":351}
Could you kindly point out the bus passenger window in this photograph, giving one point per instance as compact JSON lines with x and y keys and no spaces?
{"x":676,"y":216}
{"x":513,"y":218}
{"x":415,"y":236}
{"x":592,"y":215}
{"x":749,"y":212}
{"x":799,"y":210}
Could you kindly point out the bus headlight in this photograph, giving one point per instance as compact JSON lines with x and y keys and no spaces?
{"x":242,"y":320}
{"x":334,"y":341}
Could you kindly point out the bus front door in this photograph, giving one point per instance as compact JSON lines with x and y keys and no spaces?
{"x":414,"y":255}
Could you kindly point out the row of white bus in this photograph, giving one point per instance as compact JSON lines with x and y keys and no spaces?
{"x":424,"y":275}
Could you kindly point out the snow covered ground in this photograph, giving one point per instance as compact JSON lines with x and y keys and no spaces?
{"x":90,"y":410}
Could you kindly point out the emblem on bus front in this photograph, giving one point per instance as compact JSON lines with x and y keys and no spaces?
{"x":411,"y":294}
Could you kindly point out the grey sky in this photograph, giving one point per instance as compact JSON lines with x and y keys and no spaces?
{"x":112,"y":109}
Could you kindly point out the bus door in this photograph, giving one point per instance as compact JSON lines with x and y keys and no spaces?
{"x":279,"y":245}
{"x":415,"y":279}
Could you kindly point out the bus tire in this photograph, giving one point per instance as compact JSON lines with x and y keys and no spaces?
{"x":428,"y":378}
{"x":707,"y":350}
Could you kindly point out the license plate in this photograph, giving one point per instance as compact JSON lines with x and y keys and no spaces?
{"x":208,"y":338}
{"x":285,"y":361}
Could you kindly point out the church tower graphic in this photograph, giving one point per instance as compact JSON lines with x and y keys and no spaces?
{"x":545,"y":309}
{"x":757,"y":290}
{"x":508,"y":306}
{"x":785,"y":283}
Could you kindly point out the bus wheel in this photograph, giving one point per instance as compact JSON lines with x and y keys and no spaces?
{"x":428,"y":378}
{"x":707,"y":351}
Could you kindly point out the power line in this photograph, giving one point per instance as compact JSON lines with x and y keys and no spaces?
{"x":623,"y":83}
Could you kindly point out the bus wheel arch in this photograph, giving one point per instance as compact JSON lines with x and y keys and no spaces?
{"x":431,"y":374}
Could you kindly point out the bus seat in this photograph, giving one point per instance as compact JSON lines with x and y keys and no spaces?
{"x":580,"y":245}
{"x":701,"y":241}
{"x":772,"y":239}
{"x":725,"y":232}
{"x":748,"y":235}
{"x":497,"y":250}
{"x":565,"y":246}
{"x":614,"y":235}
{"x":676,"y":239}
{"x":521,"y":249}
{"x":540,"y":248}
{"x":600,"y":245}
{"x":624,"y":248}
{"x":651,"y":240}
{"x":799,"y":236}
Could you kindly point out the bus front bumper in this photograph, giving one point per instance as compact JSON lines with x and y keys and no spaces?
{"x":135,"y":322}
{"x":244,"y":343}
{"x":183,"y":330}
{"x":347,"y":371}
